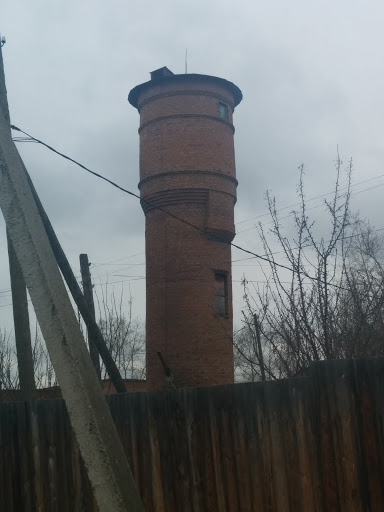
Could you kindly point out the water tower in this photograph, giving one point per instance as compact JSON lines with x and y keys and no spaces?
{"x":187,"y":168}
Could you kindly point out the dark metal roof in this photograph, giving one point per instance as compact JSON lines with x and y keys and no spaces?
{"x":164,"y":71}
{"x":134,"y":94}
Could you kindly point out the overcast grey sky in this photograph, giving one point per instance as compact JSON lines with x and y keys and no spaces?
{"x":312,"y":78}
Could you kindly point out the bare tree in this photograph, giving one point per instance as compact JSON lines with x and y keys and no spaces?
{"x":324,"y":302}
{"x":124,"y":336}
{"x":43,"y":369}
{"x":8,"y":362}
{"x":45,"y":376}
{"x":361,"y":307}
{"x":123,"y":333}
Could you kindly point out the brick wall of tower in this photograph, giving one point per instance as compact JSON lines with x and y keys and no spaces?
{"x":187,"y":167}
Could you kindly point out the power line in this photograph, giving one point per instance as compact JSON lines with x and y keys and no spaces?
{"x":262,"y":281}
{"x":94,"y":265}
{"x":106,"y":274}
{"x":310,"y":245}
{"x":145,"y":201}
{"x":10,"y":304}
{"x":117,"y":282}
{"x":136,"y":195}
{"x":311,"y":208}
{"x":122,"y":275}
{"x":118,"y":270}
{"x":311,"y":199}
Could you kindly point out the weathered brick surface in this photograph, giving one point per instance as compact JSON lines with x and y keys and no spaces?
{"x":193,"y":143}
{"x":187,"y":167}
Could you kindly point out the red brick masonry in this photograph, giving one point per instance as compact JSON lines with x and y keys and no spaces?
{"x":187,"y":167}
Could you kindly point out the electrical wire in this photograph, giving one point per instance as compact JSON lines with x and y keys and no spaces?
{"x":310,"y":208}
{"x":11,"y":304}
{"x":148,"y":203}
{"x":117,"y":282}
{"x":118,"y":270}
{"x":310,"y":245}
{"x":94,"y":265}
{"x":313,"y":199}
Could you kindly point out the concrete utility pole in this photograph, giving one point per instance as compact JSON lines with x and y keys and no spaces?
{"x":71,"y":281}
{"x":88,"y":295}
{"x":21,"y":325}
{"x":19,"y":301}
{"x":99,"y":443}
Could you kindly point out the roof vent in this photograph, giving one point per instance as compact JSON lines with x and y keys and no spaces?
{"x":159,"y":73}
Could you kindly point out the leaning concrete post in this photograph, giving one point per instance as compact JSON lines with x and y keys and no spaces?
{"x":19,"y":295}
{"x":99,"y":443}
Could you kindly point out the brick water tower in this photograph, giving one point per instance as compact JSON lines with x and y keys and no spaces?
{"x":187,"y":168}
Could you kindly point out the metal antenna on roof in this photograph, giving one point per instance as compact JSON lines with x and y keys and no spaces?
{"x":186,"y":61}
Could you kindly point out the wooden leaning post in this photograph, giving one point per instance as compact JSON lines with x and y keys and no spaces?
{"x":88,"y":295}
{"x":78,"y":296}
{"x":96,"y":434}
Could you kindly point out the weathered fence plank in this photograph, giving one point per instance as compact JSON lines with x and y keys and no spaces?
{"x":314,"y":443}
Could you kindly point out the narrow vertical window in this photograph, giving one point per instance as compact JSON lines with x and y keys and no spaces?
{"x":221,"y":294}
{"x":223,"y":111}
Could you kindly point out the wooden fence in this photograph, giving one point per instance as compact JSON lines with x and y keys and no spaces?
{"x":313,"y":443}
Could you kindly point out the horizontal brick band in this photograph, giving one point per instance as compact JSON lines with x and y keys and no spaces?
{"x":170,"y":197}
{"x":184,"y":116}
{"x":216,"y":174}
{"x":178,"y":196}
{"x":187,"y":93}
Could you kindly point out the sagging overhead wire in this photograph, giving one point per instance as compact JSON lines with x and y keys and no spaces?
{"x":148,"y":203}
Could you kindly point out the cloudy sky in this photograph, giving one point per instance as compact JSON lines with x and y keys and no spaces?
{"x":312,"y":78}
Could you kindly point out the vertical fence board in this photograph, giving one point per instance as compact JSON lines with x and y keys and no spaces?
{"x":242,"y":443}
{"x":307,"y":445}
{"x":369,"y":385}
{"x":290,"y":448}
{"x":3,"y":483}
{"x":207,"y":462}
{"x":265,"y":437}
{"x":324,"y":426}
{"x":277,"y":425}
{"x":76,"y":475}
